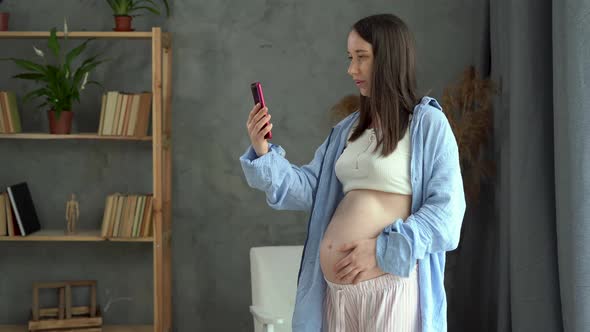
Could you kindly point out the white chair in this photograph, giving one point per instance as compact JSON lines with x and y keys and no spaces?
{"x":274,"y":273}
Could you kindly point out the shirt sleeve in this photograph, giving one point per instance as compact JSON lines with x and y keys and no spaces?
{"x":287,"y":186}
{"x":435,"y":227}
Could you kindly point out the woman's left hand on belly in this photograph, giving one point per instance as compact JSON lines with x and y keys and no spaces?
{"x":359,"y":261}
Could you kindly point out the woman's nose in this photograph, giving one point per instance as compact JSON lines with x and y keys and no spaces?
{"x":352,"y":68}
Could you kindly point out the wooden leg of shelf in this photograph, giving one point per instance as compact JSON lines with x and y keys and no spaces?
{"x":93,"y":300}
{"x":157,"y":179}
{"x":35,"y":303}
{"x":167,"y":197}
{"x":62,"y":303}
{"x":68,"y":301}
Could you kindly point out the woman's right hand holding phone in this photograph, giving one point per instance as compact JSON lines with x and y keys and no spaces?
{"x":256,"y":120}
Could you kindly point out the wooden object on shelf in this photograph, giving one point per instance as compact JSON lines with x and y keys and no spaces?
{"x":160,"y":140}
{"x":72,"y":324}
{"x":72,"y":215}
{"x":65,"y":316}
{"x":57,"y":312}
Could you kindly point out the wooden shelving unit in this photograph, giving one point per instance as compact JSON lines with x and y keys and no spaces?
{"x":161,"y":166}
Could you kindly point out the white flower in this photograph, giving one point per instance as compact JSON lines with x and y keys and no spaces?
{"x":38,"y":52}
{"x":65,"y":27}
{"x":85,"y":81}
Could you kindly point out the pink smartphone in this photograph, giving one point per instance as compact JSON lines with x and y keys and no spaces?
{"x":258,"y":96}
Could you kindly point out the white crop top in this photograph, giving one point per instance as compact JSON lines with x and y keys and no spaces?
{"x":359,"y":167}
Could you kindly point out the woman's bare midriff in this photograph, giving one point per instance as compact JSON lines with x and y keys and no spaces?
{"x":362,"y":214}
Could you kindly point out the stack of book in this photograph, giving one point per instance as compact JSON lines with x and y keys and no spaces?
{"x":127,"y":216}
{"x":17,"y":212}
{"x":125,"y":114}
{"x":9,"y":117}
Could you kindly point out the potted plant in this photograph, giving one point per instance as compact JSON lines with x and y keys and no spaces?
{"x":4,"y":16}
{"x":61,"y":84}
{"x":123,"y":10}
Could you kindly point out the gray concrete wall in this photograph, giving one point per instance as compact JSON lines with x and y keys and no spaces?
{"x":296,"y":48}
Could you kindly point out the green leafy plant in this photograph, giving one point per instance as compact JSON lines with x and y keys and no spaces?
{"x":128,"y":7}
{"x":61,"y":83}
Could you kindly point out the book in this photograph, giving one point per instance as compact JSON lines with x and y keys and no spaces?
{"x":102,"y":112}
{"x":106,"y":219}
{"x":23,"y":208}
{"x":125,"y":114}
{"x":5,"y":113}
{"x":10,"y":99}
{"x":127,"y":215}
{"x":9,"y":115}
{"x":9,"y":220}
{"x":147,"y":218}
{"x":3,"y":220}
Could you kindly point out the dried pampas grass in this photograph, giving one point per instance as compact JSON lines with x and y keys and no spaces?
{"x":468,"y":107}
{"x":344,"y":107}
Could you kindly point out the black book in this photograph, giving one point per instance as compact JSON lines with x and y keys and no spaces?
{"x":24,"y":209}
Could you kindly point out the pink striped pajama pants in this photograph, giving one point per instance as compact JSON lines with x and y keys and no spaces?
{"x":385,"y":303}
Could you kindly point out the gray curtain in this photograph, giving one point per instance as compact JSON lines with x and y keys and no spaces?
{"x":571,"y":102}
{"x":540,"y":55}
{"x":471,"y":269}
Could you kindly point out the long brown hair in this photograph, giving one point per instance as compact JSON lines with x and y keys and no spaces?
{"x":393,"y":86}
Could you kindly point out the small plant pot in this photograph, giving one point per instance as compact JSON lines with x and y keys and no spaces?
{"x":4,"y":16}
{"x":60,"y":126}
{"x":123,"y":23}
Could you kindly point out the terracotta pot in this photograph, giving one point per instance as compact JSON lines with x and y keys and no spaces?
{"x":63,"y":125}
{"x":123,"y":23}
{"x":4,"y":16}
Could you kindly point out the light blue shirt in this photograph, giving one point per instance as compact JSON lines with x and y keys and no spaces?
{"x":438,"y":207}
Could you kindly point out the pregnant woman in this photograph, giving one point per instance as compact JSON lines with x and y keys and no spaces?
{"x":384,"y":191}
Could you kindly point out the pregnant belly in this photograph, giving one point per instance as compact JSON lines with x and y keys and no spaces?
{"x":362,"y":214}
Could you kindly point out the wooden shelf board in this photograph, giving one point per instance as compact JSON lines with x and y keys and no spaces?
{"x":78,"y":34}
{"x":81,"y":236}
{"x":131,"y":239}
{"x":106,"y":328}
{"x":93,"y":136}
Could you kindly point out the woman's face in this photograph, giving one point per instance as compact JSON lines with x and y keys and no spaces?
{"x":360,"y":68}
